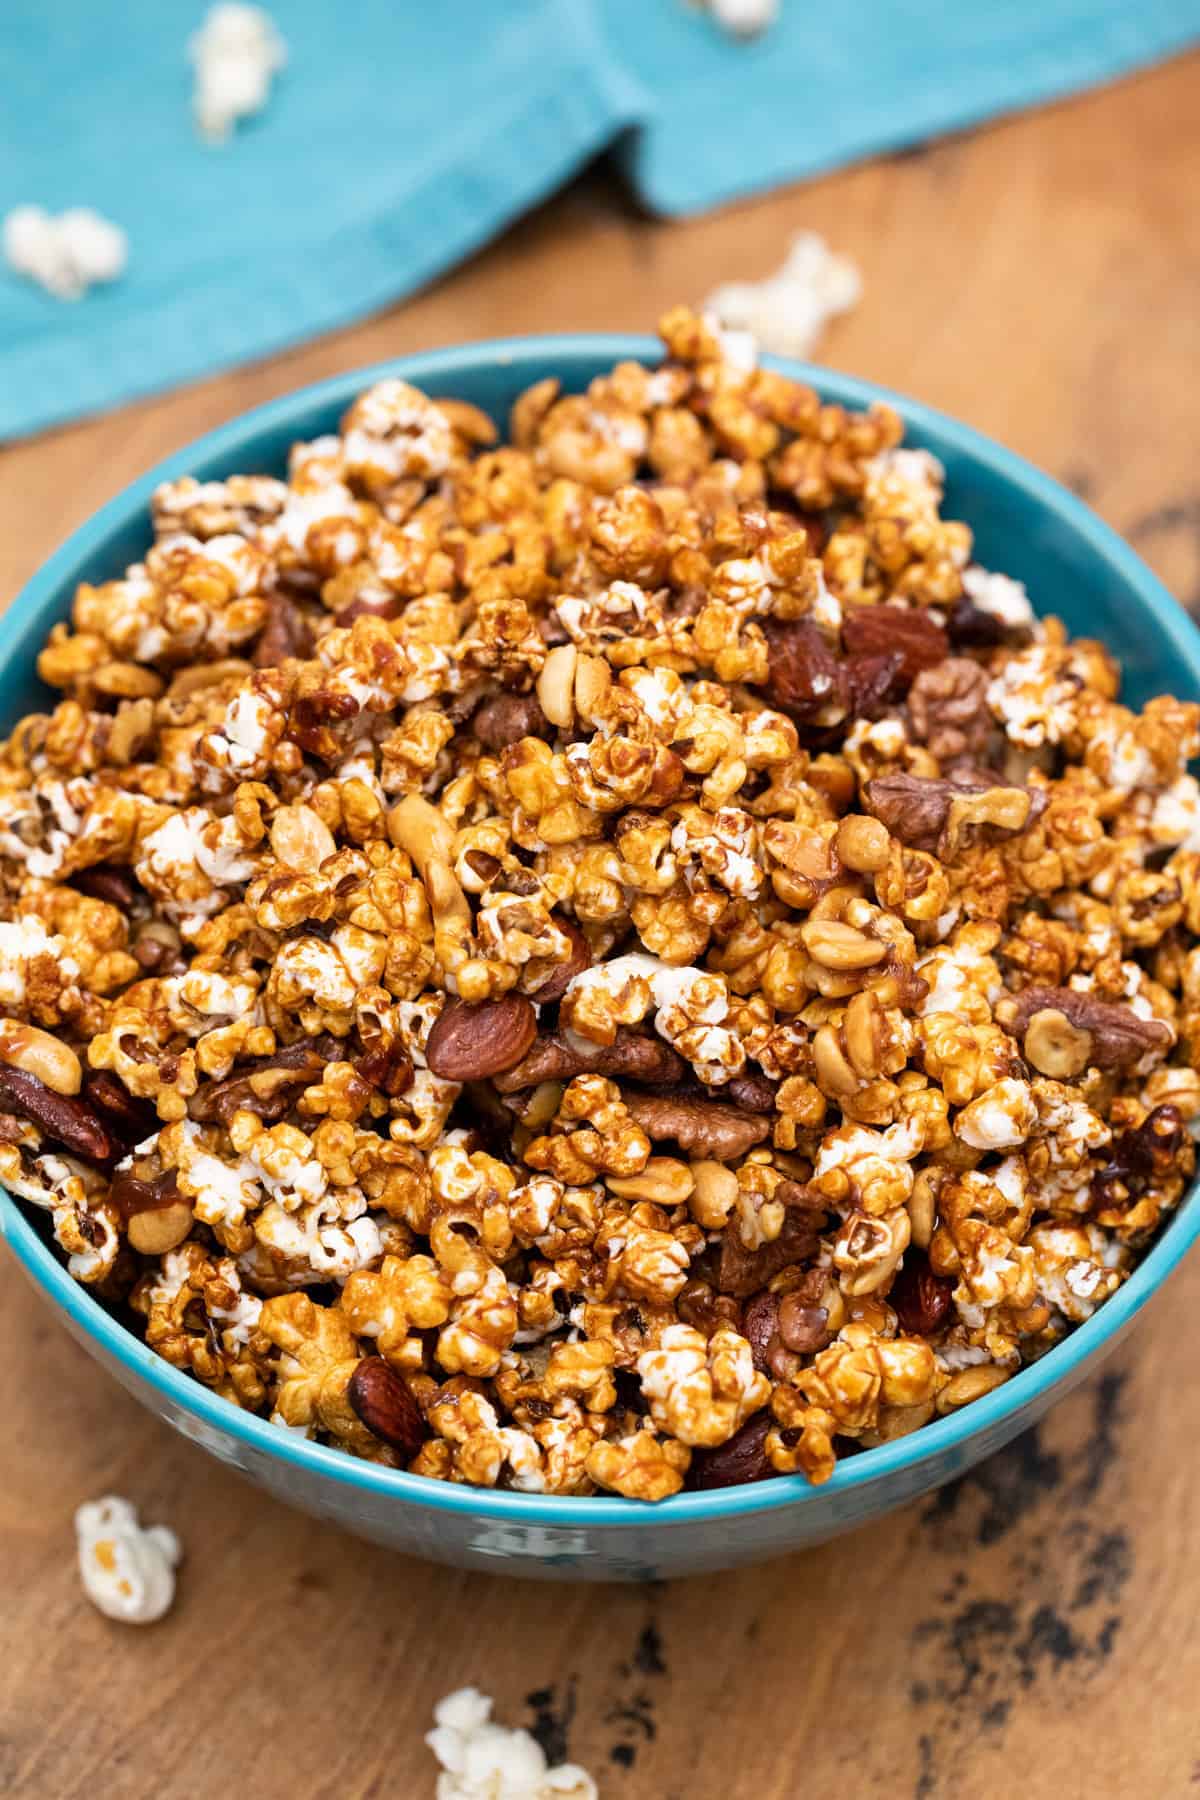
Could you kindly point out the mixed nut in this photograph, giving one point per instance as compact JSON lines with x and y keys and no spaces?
{"x":613,"y":961}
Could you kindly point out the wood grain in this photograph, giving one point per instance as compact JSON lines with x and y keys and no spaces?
{"x":1033,"y":1630}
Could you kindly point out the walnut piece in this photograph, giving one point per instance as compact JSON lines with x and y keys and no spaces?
{"x":947,"y":814}
{"x":705,"y":1128}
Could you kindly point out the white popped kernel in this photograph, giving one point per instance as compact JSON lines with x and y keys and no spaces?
{"x":1176,"y":816}
{"x":919,"y":471}
{"x":235,"y":54}
{"x":65,"y":253}
{"x":885,"y":737}
{"x":999,"y":595}
{"x":788,"y":312}
{"x":999,"y":1119}
{"x":745,"y":18}
{"x":128,"y":1571}
{"x":1034,"y":706}
{"x":485,"y":1761}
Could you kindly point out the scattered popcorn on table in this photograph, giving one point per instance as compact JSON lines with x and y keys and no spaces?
{"x":66,"y":253}
{"x":127,"y":1570}
{"x":485,"y":1761}
{"x":235,"y":54}
{"x":787,"y":312}
{"x":604,"y":962}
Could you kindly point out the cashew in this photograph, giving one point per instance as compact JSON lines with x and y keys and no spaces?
{"x":421,"y":831}
{"x":54,"y":1063}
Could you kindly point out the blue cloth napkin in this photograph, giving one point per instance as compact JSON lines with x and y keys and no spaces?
{"x":403,"y":134}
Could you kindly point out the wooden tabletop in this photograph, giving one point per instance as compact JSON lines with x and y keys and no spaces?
{"x":1034,"y":1630}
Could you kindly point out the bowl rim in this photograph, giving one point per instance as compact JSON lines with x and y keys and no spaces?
{"x":906,"y":1456}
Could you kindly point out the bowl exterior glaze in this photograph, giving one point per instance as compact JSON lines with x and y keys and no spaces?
{"x":1025,"y":525}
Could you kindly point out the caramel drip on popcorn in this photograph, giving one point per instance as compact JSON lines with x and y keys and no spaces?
{"x":610,"y":959}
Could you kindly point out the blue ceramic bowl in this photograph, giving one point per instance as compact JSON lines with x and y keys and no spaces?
{"x":1025,"y":525}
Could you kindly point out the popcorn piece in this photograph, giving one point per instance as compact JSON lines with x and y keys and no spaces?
{"x":67,"y":252}
{"x":235,"y":54}
{"x":485,"y":1761}
{"x":127,"y":1570}
{"x":788,"y":312}
{"x":1005,"y":599}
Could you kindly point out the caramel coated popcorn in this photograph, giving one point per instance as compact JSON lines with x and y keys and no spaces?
{"x":606,"y":962}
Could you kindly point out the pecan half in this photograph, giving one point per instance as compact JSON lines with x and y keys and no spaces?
{"x":701,"y":1127}
{"x":921,"y":1299}
{"x":384,"y":1402}
{"x":944,"y":814}
{"x":948,"y":709}
{"x":743,"y":1271}
{"x":105,"y":881}
{"x":130,"y":1118}
{"x":753,"y":1091}
{"x":65,"y":1120}
{"x":632,"y":1055}
{"x":760,"y":1328}
{"x":470,"y":1041}
{"x":563,"y":974}
{"x":1119,"y":1037}
{"x":507,"y":718}
{"x":741,"y":1460}
{"x":267,"y":1086}
{"x":905,"y":631}
{"x":286,"y":633}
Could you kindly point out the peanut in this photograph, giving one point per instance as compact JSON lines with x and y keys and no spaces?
{"x":300,"y":839}
{"x":204,"y":675}
{"x":863,"y":844}
{"x":556,"y":685}
{"x":970,"y":1384}
{"x":161,"y":1229}
{"x":839,"y":946}
{"x":714,"y":1194}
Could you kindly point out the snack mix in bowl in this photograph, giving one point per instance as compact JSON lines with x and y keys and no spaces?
{"x":613,"y":962}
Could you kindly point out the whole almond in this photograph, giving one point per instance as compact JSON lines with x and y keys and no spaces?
{"x":471,"y":1041}
{"x":742,"y":1459}
{"x":384,"y":1402}
{"x":921,"y":1298}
